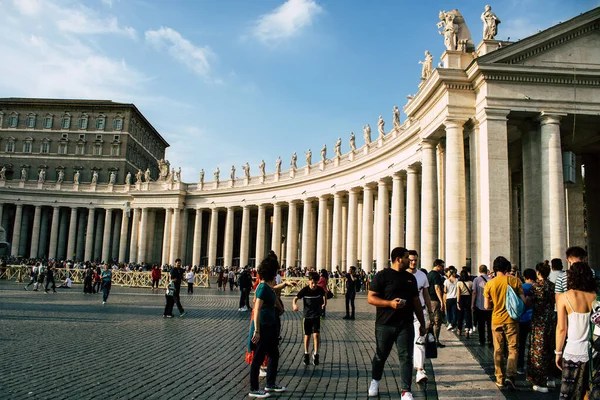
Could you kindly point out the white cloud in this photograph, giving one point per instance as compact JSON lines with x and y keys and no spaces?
{"x":80,"y":22}
{"x":27,"y":7}
{"x":194,"y":57}
{"x":108,"y":3}
{"x":286,"y":21}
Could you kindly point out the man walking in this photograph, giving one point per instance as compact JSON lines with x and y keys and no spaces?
{"x":394,"y":292}
{"x":423,"y":288}
{"x":50,"y":278}
{"x":177,"y":276}
{"x":245,"y":286}
{"x":483,"y":317}
{"x":436,"y":294}
{"x":504,"y":328}
{"x":350,"y":291}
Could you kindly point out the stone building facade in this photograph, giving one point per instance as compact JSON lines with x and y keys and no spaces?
{"x":488,"y":162}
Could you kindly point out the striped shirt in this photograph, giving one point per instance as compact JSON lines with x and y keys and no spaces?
{"x":560,"y":286}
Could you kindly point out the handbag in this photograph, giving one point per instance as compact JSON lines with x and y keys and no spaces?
{"x":430,"y":344}
{"x":329,"y":295}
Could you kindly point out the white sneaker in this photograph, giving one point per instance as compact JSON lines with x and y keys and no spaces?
{"x":240,"y":309}
{"x":407,"y":396}
{"x":262,"y":372}
{"x":474,"y":329}
{"x":421,"y":376}
{"x":374,"y":388}
{"x":541,"y":389}
{"x":470,"y":331}
{"x":244,"y":309}
{"x":449,"y":328}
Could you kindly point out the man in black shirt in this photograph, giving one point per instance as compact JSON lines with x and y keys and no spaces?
{"x":436,"y":290}
{"x":351,"y":281}
{"x":177,"y":275}
{"x":245,"y":282}
{"x":315,"y":300}
{"x":394,"y":292}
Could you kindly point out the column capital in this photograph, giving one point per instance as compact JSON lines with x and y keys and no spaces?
{"x":454,"y":123}
{"x":397,"y":176}
{"x":412,"y":169}
{"x":382,"y":182}
{"x":368,"y":187}
{"x":338,"y":195}
{"x":429,"y":144}
{"x":547,"y":118}
{"x":491,"y":113}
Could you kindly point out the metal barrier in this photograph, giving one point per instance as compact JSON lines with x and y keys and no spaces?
{"x":335,"y":285}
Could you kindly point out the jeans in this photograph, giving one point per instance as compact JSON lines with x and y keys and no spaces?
{"x":268,"y":345}
{"x":350,"y":296}
{"x":483,"y":318}
{"x":464,"y":314}
{"x":48,"y":280}
{"x":190,"y":288}
{"x":524,"y":329}
{"x":155,"y":283}
{"x":105,"y":290}
{"x":451,"y":311}
{"x":385,"y":336}
{"x":438,"y":316}
{"x":33,"y":280}
{"x":507,"y":333}
{"x":176,"y":298}
{"x":419,"y":349}
{"x":245,"y":298}
{"x":169,"y":305}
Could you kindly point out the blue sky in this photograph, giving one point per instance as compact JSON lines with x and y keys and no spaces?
{"x":234,"y":81}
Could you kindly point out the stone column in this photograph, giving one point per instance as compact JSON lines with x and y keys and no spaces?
{"x":359,"y":228}
{"x":62,"y":236}
{"x":54,"y":233}
{"x":135,"y":229}
{"x":514,"y":225}
{"x":197,"y":249}
{"x":344,"y":233}
{"x":212,"y":237}
{"x":1,"y":214}
{"x":184,"y":225}
{"x":429,"y":205}
{"x":441,"y":164}
{"x":413,"y":209}
{"x":383,"y":225}
{"x":23,"y":250}
{"x":493,"y":187}
{"x":306,"y":216}
{"x":351,"y":248}
{"x":114,"y":252}
{"x":89,"y":236}
{"x":72,"y":234}
{"x":107,"y":235}
{"x":124,"y":236}
{"x":292,"y":235}
{"x":336,"y":235}
{"x":321,"y":234}
{"x":166,"y":244}
{"x":456,"y":208}
{"x":98,"y":237}
{"x":175,"y":236}
{"x":532,"y":248}
{"x":575,"y":208}
{"x":397,"y":223}
{"x":260,"y":234}
{"x":276,"y":236}
{"x":35,"y":234}
{"x":80,"y":243}
{"x":553,"y":190}
{"x":592,"y":200}
{"x":228,"y":245}
{"x":142,"y":254}
{"x":16,"y":237}
{"x":367,"y":233}
{"x":245,"y":236}
{"x":312,"y":246}
{"x":328,"y":234}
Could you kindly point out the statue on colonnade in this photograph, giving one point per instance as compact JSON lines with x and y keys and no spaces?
{"x":23,"y":174}
{"x":352,"y":141}
{"x":261,"y":168}
{"x":61,"y":176}
{"x":138,"y":176}
{"x":3,"y":173}
{"x":216,"y":175}
{"x":396,"y":118}
{"x":163,"y":169}
{"x":147,"y":176}
{"x":232,"y":174}
{"x":113,"y":178}
{"x":381,"y":127}
{"x":202,"y":176}
{"x":455,"y":31}
{"x":427,"y":68}
{"x":338,"y":148}
{"x":308,"y":157}
{"x":76,"y":177}
{"x":293,"y":161}
{"x":324,"y":153}
{"x":178,"y":175}
{"x":128,"y":178}
{"x":490,"y":23}
{"x":42,"y":176}
{"x":367,"y":133}
{"x":94,"y":177}
{"x":278,"y":165}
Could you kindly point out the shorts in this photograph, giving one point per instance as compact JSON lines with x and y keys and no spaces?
{"x":312,"y":325}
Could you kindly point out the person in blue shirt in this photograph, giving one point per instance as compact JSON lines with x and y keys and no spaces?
{"x":106,"y":275}
{"x":525,"y":322}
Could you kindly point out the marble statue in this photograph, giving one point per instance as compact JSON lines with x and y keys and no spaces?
{"x":352,"y":141}
{"x":293,"y":161}
{"x":178,"y":175}
{"x":202,"y":176}
{"x":232,"y":174}
{"x":308,"y":157}
{"x":337,"y":149}
{"x":147,"y":176}
{"x":381,"y":127}
{"x":76,"y":177}
{"x":61,"y":176}
{"x":367,"y":133}
{"x":246,"y":168}
{"x":3,"y":173}
{"x":94,"y":177}
{"x":324,"y":153}
{"x":171,"y":176}
{"x":490,"y":23}
{"x":396,"y":118}
{"x":217,"y":172}
{"x":261,"y":168}
{"x":23,"y":174}
{"x":163,"y":169}
{"x":42,"y":176}
{"x":138,"y":176}
{"x":448,"y":29}
{"x":427,"y":68}
{"x":113,"y":178}
{"x":278,"y":165}
{"x":128,"y":178}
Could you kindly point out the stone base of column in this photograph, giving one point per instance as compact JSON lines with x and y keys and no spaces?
{"x":76,"y":187}
{"x":57,"y":186}
{"x":22,"y":184}
{"x":145,"y":186}
{"x":336,"y":161}
{"x":138,"y":186}
{"x":307,"y":170}
{"x":487,"y":46}
{"x":366,"y":149}
{"x":231,"y":183}
{"x":322,"y":165}
{"x":127,"y":189}
{"x":292,"y":173}
{"x":351,"y":155}
{"x":92,"y":187}
{"x":40,"y":185}
{"x":2,"y":183}
{"x":247,"y":181}
{"x":111,"y":187}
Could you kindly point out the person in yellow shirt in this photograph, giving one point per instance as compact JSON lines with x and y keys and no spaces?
{"x":504,"y":328}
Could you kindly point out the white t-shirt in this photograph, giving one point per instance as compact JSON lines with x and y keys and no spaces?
{"x":450,"y":289}
{"x":277,"y":279}
{"x":422,"y":284}
{"x":68,"y":282}
{"x":189,"y":276}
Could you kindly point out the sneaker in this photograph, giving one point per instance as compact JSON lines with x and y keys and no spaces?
{"x":499,"y":384}
{"x":541,"y":389}
{"x":520,"y":371}
{"x":306,"y":359}
{"x":421,"y":376}
{"x":240,"y":309}
{"x":262,"y":372}
{"x":551,"y":383}
{"x":407,"y":396}
{"x":244,"y":309}
{"x":374,"y":388}
{"x":510,"y":383}
{"x":261,"y":394}
{"x":168,"y":316}
{"x":25,"y":287}
{"x":275,"y":388}
{"x":474,"y":329}
{"x":346,"y":317}
{"x":440,"y":346}
{"x":315,"y":359}
{"x":449,"y":327}
{"x":103,"y":303}
{"x":182,"y":314}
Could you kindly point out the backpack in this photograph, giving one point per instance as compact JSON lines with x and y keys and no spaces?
{"x":514,"y":304}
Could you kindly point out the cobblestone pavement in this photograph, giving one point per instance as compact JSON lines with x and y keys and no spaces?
{"x":68,"y":345}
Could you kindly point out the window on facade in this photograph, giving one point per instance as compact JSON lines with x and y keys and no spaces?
{"x":48,"y":123}
{"x":82,"y":123}
{"x":117,"y":124}
{"x":98,"y":137}
{"x":62,"y":148}
{"x":45,"y":147}
{"x":80,"y":149}
{"x":82,"y":136}
{"x":65,"y":135}
{"x":100,"y":122}
{"x":97,"y":150}
{"x":66,"y":123}
{"x":116,"y":138}
{"x":115,"y":150}
{"x":13,"y":120}
{"x":10,"y":147}
{"x":27,"y":147}
{"x":30,"y":121}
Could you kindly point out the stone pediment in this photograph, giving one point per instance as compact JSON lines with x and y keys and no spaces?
{"x":571,"y":44}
